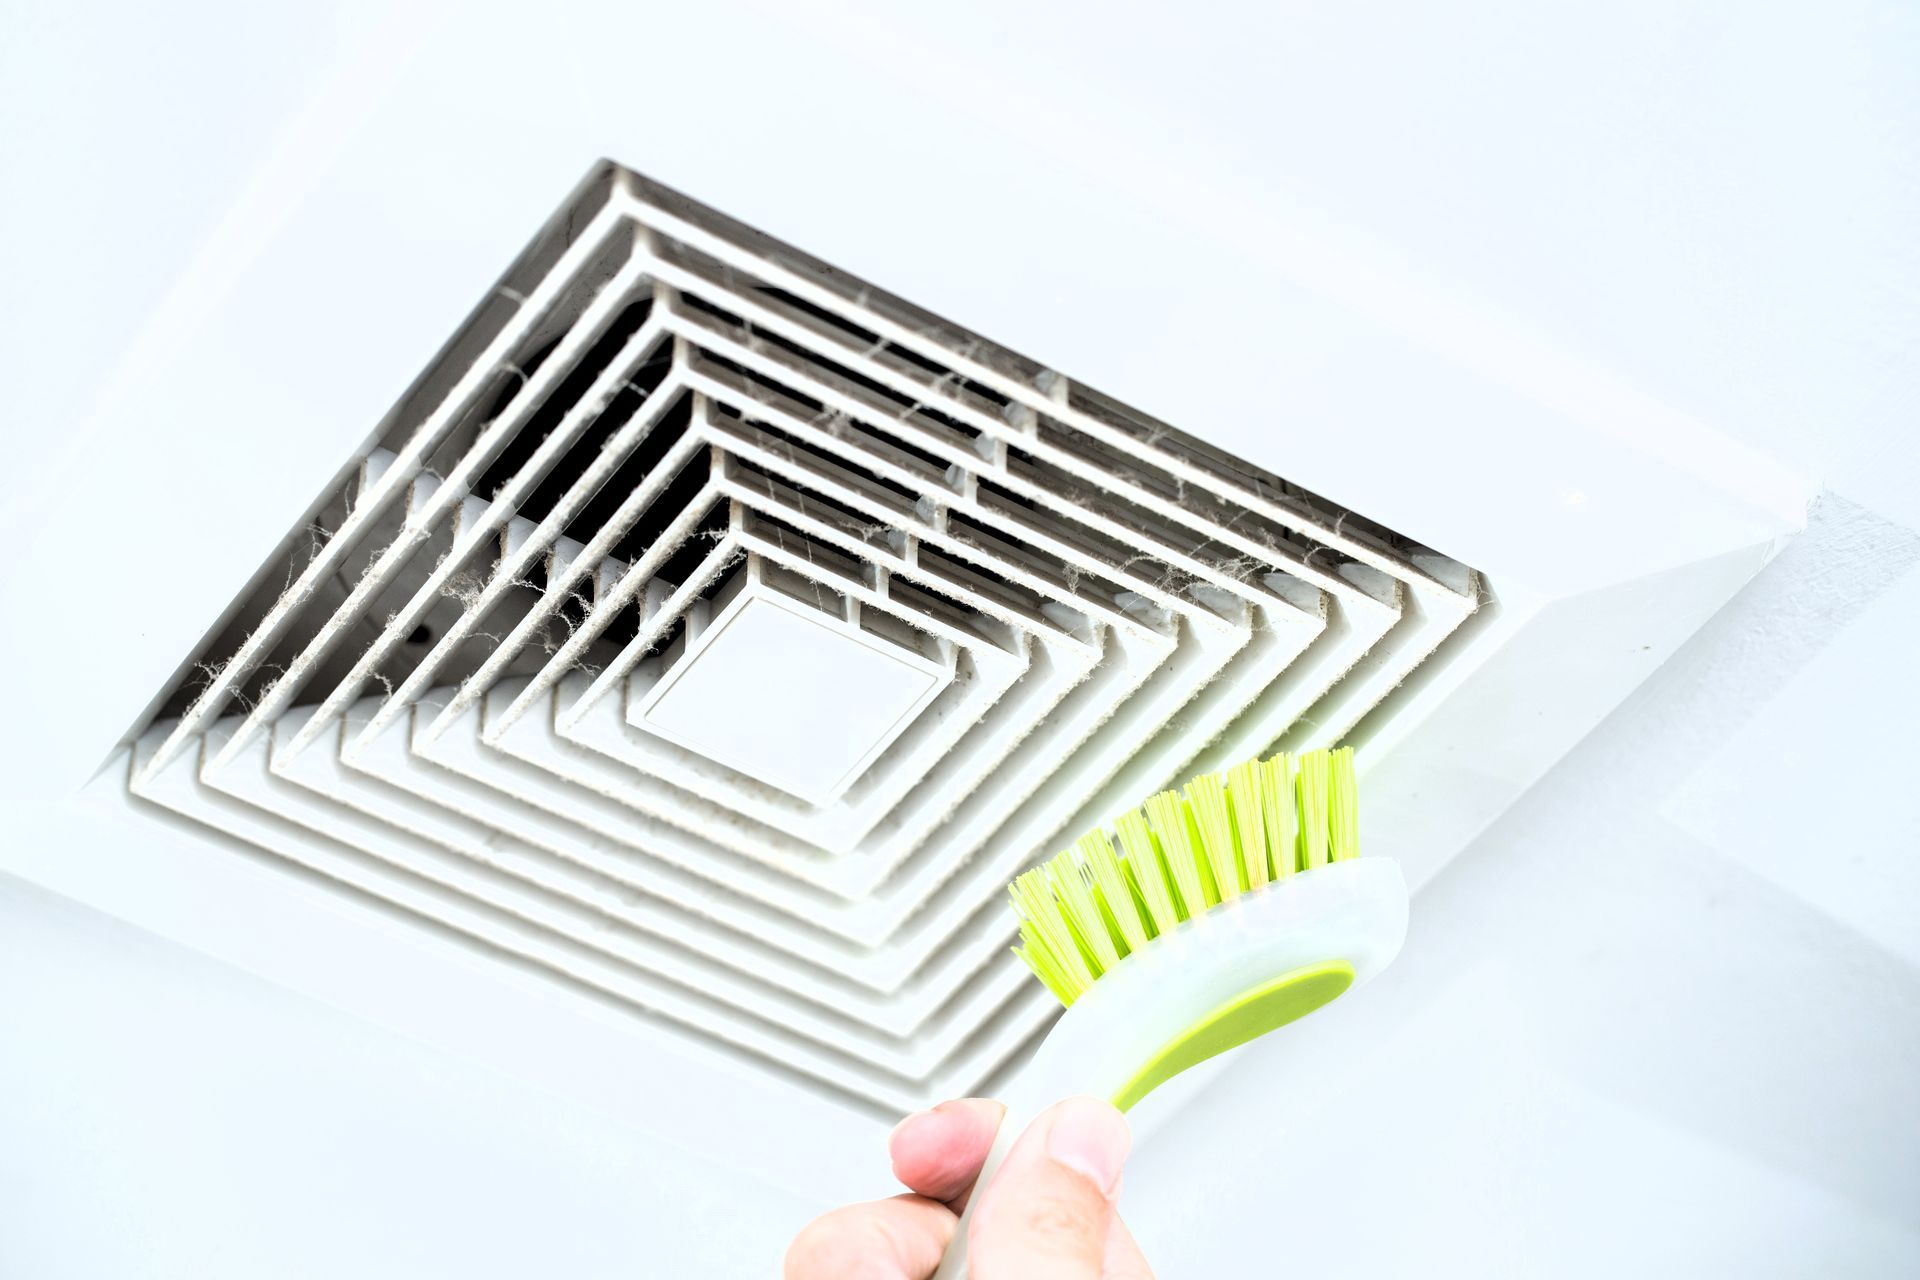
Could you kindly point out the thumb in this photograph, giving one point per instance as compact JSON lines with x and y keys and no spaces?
{"x":1045,"y":1215}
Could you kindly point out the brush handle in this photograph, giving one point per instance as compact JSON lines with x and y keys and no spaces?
{"x":1200,"y":972}
{"x":953,"y":1264}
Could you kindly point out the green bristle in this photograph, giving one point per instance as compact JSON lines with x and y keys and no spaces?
{"x":1096,"y":850}
{"x":1086,"y":908}
{"x":1168,"y":817}
{"x":1045,"y":964}
{"x":1209,"y":887}
{"x":1050,"y":951}
{"x":1276,"y":808}
{"x":1082,"y":912}
{"x":1139,"y":904}
{"x":1245,"y":790}
{"x":1343,"y":808}
{"x":1148,"y":872}
{"x":1311,"y":786}
{"x":1212,"y":821}
{"x":1045,"y":967}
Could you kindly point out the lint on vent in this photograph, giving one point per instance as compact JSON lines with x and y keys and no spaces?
{"x":720,"y":633}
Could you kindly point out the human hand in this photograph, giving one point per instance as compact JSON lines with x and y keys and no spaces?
{"x":1048,"y":1214}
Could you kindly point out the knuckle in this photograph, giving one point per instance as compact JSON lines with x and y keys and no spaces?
{"x":1050,"y":1225}
{"x":1056,"y":1218}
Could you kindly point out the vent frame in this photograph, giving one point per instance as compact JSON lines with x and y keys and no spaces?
{"x":1331,"y":609}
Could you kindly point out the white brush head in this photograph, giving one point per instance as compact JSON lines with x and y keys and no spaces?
{"x":1353,"y":911}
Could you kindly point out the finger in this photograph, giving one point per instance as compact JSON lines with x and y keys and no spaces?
{"x":1046,"y":1213}
{"x":897,"y":1239}
{"x":938,"y":1153}
{"x":1124,"y":1259}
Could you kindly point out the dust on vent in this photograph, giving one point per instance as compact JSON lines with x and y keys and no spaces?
{"x":720,"y":633}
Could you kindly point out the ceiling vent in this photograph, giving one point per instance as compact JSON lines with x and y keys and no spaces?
{"x":713,"y":630}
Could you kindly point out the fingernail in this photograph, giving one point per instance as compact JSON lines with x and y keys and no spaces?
{"x":1092,"y":1138}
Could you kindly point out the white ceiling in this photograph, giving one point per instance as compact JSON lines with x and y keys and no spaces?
{"x":1663,"y":1018}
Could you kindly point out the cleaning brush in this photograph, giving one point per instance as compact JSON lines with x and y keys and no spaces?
{"x":1202,"y":920}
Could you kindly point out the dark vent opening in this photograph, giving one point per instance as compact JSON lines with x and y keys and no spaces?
{"x":793,"y":301}
{"x":624,"y":626}
{"x":592,"y":443}
{"x":757,"y":379}
{"x":681,"y":562}
{"x":667,"y":507}
{"x":634,"y":469}
{"x":817,"y":554}
{"x":561,"y":400}
{"x":836,"y":515}
{"x":933,"y":603}
{"x":980,"y":580}
{"x":1083,"y":582}
{"x":1126,"y":560}
{"x":904,"y":407}
{"x":833,"y":465}
{"x":868,"y":338}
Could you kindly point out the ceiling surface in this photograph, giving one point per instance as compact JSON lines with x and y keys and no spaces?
{"x":1662,"y":1017}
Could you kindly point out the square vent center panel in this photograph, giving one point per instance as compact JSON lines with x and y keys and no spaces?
{"x":717,"y":634}
{"x":786,"y":692}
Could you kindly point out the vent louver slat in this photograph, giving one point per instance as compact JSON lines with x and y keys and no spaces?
{"x":498,"y":685}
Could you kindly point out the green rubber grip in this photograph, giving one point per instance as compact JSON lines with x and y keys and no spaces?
{"x":1249,"y":1015}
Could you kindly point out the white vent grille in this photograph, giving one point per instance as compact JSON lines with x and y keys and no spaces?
{"x":715,"y":631}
